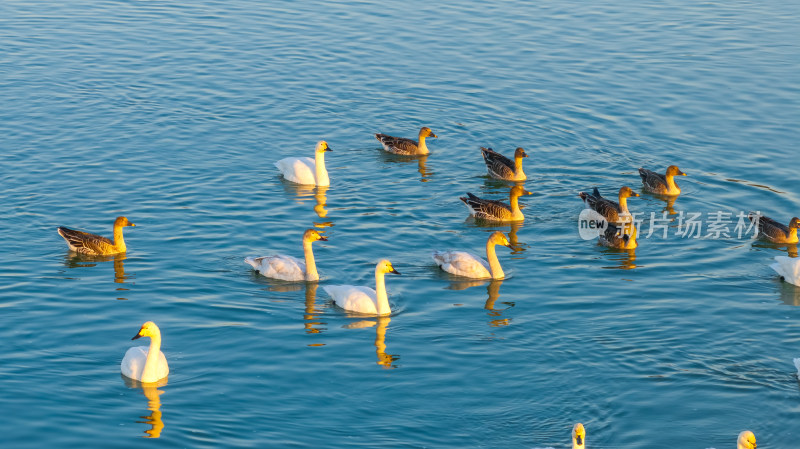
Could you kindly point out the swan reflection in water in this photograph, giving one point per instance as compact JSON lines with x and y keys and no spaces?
{"x":76,"y":260}
{"x":493,"y":290}
{"x":311,"y":323}
{"x":153,"y":394}
{"x":384,"y":359}
{"x":303,"y":192}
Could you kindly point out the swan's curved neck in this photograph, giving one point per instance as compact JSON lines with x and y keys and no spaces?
{"x":321,"y":174}
{"x":494,"y":265}
{"x":380,"y":290}
{"x":311,"y":267}
{"x":119,"y":242}
{"x":422,"y":148}
{"x":149,"y":373}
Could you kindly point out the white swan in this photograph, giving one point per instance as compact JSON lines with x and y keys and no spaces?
{"x":364,"y":299}
{"x":146,"y":364}
{"x":746,"y":440}
{"x":304,"y":170}
{"x":462,"y":263}
{"x":788,"y":268}
{"x":288,"y":268}
{"x":578,"y":436}
{"x":797,"y":365}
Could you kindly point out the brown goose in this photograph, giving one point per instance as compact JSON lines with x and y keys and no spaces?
{"x":96,"y":245}
{"x":623,"y":237}
{"x":407,"y":147}
{"x":661,"y":184}
{"x":774,"y":231}
{"x":613,"y":211}
{"x":502,"y":167}
{"x":496,"y":210}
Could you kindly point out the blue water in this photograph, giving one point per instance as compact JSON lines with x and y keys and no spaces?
{"x":172,"y":114}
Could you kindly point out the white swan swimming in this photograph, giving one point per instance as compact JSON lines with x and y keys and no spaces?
{"x":304,"y":170}
{"x":364,"y":299}
{"x":788,"y":268}
{"x":746,"y":440}
{"x":462,"y":263}
{"x":797,"y":365}
{"x":578,"y":436}
{"x":143,"y":363}
{"x":288,"y":268}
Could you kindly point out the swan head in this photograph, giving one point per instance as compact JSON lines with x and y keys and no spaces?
{"x":518,"y":191}
{"x":384,"y":266}
{"x":673,"y":170}
{"x":426,"y":132}
{"x":519,"y":152}
{"x":795,"y":223}
{"x":627,"y":192}
{"x":578,"y":436}
{"x":122,"y":221}
{"x":322,"y":147}
{"x":498,"y":238}
{"x":149,"y":329}
{"x":312,"y":235}
{"x":746,"y":440}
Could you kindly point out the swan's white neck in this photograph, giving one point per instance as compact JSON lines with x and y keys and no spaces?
{"x":380,"y":290}
{"x":422,"y":148}
{"x":321,"y":174}
{"x":150,"y":371}
{"x":119,"y":242}
{"x":494,"y":264}
{"x":311,"y":267}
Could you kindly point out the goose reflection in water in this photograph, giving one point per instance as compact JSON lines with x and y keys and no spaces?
{"x":381,"y":323}
{"x":424,"y":172}
{"x":153,"y":394}
{"x":790,"y":248}
{"x":76,"y":260}
{"x":625,"y":258}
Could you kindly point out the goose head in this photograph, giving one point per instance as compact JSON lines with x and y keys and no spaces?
{"x":578,"y":436}
{"x":627,"y":192}
{"x":673,"y":170}
{"x":122,"y":221}
{"x":312,"y":235}
{"x":322,"y":147}
{"x":794,"y":223}
{"x":746,"y":440}
{"x":149,"y":329}
{"x":518,"y":191}
{"x":520,"y":152}
{"x":498,"y":238}
{"x":426,"y":132}
{"x":384,"y":266}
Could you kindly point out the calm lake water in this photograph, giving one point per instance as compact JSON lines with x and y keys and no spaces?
{"x":172,"y":114}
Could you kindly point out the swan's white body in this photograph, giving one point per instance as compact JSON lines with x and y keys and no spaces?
{"x":788,"y":268}
{"x":304,"y":170}
{"x":364,"y":300}
{"x":797,"y":365}
{"x":462,"y":263}
{"x":146,"y":363}
{"x":289,"y":268}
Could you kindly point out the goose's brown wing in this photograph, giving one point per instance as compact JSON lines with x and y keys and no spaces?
{"x":397,"y":145}
{"x":487,"y":209}
{"x":86,"y":243}
{"x":498,"y":165}
{"x":771,"y":229}
{"x":654,"y":182}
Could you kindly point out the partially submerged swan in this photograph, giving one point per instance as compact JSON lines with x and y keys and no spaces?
{"x":502,"y":167}
{"x":788,"y":268}
{"x":494,"y":210}
{"x":774,"y":231}
{"x":611,"y":210}
{"x":96,"y":245}
{"x":462,"y":263}
{"x":407,"y":147}
{"x":578,"y":436}
{"x":661,"y":184}
{"x":304,"y":170}
{"x":288,"y":268}
{"x":143,"y":363}
{"x":364,"y":299}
